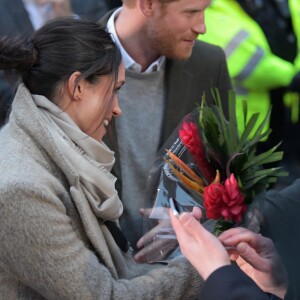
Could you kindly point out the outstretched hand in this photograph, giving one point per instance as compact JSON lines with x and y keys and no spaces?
{"x":258,"y":258}
{"x":256,"y":255}
{"x":200,"y":247}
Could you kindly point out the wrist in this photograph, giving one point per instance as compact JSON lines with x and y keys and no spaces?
{"x":280,"y":292}
{"x":208,"y":271}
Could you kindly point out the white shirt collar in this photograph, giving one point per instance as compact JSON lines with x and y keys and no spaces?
{"x":129,"y":62}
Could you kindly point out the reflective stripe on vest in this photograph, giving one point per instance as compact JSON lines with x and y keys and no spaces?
{"x":251,"y":65}
{"x":235,"y":42}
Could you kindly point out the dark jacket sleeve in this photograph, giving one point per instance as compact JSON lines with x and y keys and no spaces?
{"x":281,"y":223}
{"x":230,"y":283}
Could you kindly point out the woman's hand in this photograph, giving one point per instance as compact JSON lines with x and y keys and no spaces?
{"x":155,"y":245}
{"x":151,"y":246}
{"x":258,"y":258}
{"x":205,"y":252}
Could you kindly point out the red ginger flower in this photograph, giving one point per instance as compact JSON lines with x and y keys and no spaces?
{"x":213,"y":200}
{"x":224,"y":201}
{"x":190,"y":137}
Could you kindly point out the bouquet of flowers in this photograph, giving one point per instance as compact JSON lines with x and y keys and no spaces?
{"x":208,"y":163}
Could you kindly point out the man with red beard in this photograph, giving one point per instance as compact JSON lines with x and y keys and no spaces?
{"x":167,"y":72}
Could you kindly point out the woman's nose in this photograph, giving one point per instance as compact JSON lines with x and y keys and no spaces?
{"x":117,"y":110}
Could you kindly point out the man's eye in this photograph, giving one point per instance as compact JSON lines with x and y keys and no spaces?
{"x":193,"y":12}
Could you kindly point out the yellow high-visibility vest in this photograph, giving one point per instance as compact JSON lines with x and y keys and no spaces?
{"x":253,"y":68}
{"x":293,"y":99}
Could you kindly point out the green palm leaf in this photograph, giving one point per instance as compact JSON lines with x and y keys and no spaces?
{"x":237,"y":152}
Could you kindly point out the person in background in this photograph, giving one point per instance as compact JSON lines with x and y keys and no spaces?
{"x":23,"y":17}
{"x":261,"y":44}
{"x":167,"y":73}
{"x":59,"y":213}
{"x":261,"y":274}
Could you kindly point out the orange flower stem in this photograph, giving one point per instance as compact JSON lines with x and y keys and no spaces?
{"x":185,"y":180}
{"x":217,"y":178}
{"x":185,"y":168}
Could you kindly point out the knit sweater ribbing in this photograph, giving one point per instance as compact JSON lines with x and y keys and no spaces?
{"x":138,"y":128}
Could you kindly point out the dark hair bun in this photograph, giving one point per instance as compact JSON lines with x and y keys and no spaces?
{"x":17,"y":54}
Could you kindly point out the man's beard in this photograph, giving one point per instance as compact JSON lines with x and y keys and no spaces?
{"x":162,"y":42}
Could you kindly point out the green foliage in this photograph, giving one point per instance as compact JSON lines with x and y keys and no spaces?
{"x":222,"y":225}
{"x":235,"y":153}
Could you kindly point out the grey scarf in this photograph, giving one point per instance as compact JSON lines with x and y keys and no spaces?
{"x":92,"y":160}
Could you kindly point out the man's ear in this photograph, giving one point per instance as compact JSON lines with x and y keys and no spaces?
{"x":75,"y":88}
{"x":147,"y":7}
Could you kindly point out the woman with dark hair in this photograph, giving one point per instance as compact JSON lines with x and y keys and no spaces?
{"x":59,"y":209}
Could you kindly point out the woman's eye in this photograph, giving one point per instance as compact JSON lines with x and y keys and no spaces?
{"x":117,"y":90}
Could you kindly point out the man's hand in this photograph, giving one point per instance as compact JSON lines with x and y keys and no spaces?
{"x":258,"y":258}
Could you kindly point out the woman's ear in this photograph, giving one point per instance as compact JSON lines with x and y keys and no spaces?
{"x":147,"y":7}
{"x":75,"y":88}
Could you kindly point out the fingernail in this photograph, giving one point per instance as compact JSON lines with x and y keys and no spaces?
{"x":136,"y":257}
{"x":185,"y":218}
{"x":172,"y":205}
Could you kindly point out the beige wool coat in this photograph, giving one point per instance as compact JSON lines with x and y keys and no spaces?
{"x":52,"y":246}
